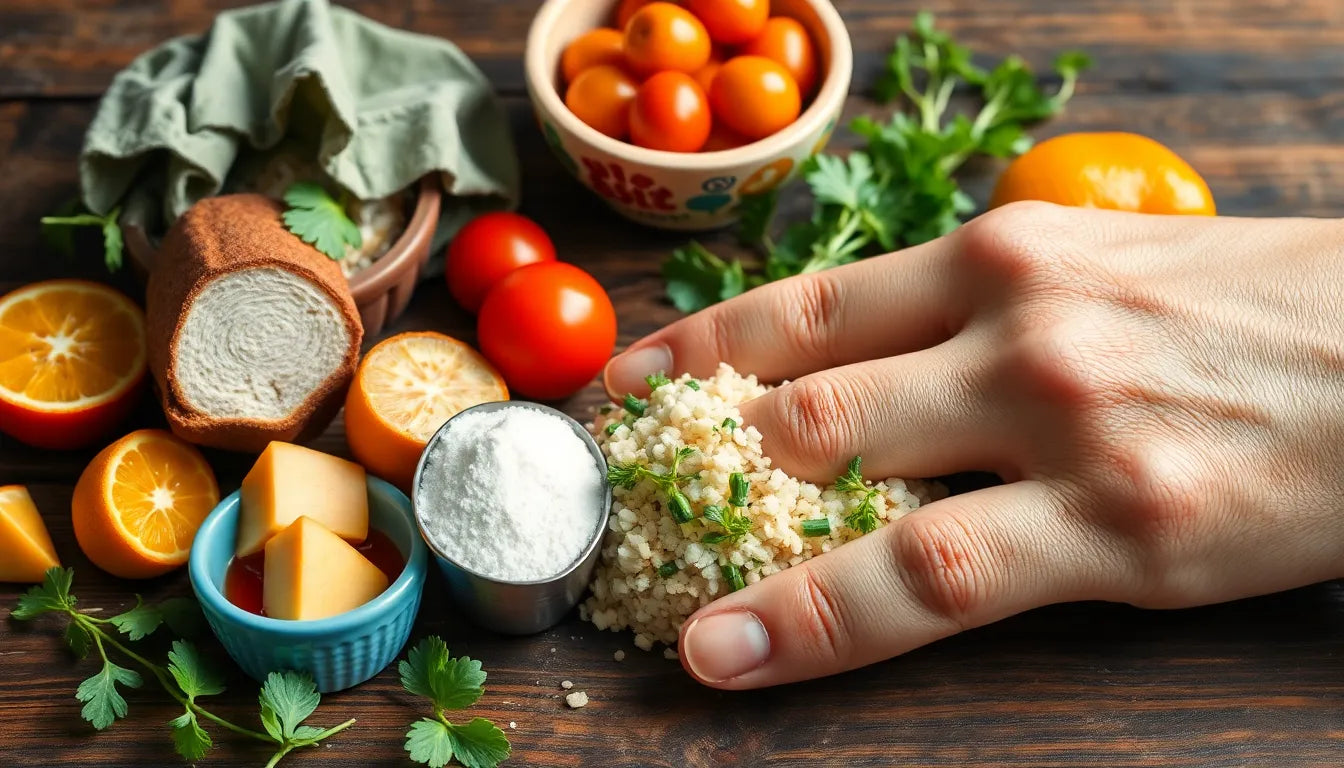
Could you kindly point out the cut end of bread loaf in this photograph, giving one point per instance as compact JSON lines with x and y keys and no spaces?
{"x":256,"y":343}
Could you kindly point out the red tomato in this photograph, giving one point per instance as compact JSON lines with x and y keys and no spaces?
{"x":665,"y":36}
{"x":670,"y":113}
{"x":754,"y":96}
{"x":487,"y":249}
{"x":600,"y":96}
{"x":596,"y":46}
{"x":731,"y":21}
{"x":549,"y":328}
{"x":786,"y":41}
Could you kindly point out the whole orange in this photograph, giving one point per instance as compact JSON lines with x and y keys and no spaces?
{"x":1120,"y":171}
{"x":406,"y":387}
{"x":138,"y":504}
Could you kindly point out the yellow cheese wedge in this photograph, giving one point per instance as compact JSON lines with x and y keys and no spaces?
{"x":311,"y":573}
{"x":289,"y":481}
{"x":24,"y":541}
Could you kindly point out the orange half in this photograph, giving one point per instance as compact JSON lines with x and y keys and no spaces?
{"x":138,"y":505}
{"x":405,"y":389}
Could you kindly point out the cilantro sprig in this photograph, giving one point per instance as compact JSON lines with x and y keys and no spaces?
{"x":320,"y":220}
{"x":60,"y":237}
{"x":863,"y":518}
{"x":449,"y":684}
{"x":287,"y":698}
{"x":900,"y":188}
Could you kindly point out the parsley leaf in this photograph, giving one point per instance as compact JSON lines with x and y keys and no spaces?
{"x":193,"y":674}
{"x":287,"y":699}
{"x":479,"y":744}
{"x":190,"y":740}
{"x":51,"y":596}
{"x":696,"y":278}
{"x":102,"y":701}
{"x":430,"y":742}
{"x":318,"y":219}
{"x":139,"y":622}
{"x":79,"y":639}
{"x":450,"y":683}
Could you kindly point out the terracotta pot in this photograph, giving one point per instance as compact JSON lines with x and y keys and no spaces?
{"x":382,"y":290}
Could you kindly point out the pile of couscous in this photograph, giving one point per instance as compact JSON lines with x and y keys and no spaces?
{"x":655,"y":571}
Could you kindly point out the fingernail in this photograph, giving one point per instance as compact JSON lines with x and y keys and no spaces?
{"x":626,"y":371}
{"x":725,"y":645}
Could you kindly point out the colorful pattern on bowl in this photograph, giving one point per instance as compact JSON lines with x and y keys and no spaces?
{"x":339,"y":652}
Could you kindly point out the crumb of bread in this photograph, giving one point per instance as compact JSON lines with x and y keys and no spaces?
{"x":577,"y":699}
{"x":566,"y":684}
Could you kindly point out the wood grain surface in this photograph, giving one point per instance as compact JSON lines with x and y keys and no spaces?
{"x":1250,"y":91}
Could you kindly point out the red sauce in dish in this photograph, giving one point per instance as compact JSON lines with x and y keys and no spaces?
{"x":243,"y":580}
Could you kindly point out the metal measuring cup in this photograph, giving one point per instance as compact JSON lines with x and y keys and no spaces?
{"x":516,"y":607}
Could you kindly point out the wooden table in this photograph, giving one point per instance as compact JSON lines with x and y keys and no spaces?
{"x":1249,"y":92}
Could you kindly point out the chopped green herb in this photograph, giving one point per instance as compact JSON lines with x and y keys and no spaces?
{"x":666,"y":570}
{"x":898,"y":190}
{"x":634,"y":405}
{"x":732,"y":519}
{"x":693,"y":384}
{"x":738,"y":488}
{"x":628,"y":475}
{"x":612,"y":427}
{"x":864,"y":517}
{"x":680,"y":506}
{"x":656,"y":380}
{"x":320,"y":220}
{"x":729,"y":424}
{"x":733,"y":575}
{"x":818,"y":527}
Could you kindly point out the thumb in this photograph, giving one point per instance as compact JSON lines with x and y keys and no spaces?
{"x":959,"y":563}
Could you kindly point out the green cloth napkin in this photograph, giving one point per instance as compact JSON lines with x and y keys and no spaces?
{"x":376,"y":108}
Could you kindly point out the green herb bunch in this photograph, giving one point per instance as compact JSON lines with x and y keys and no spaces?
{"x":286,"y":700}
{"x":449,"y":683}
{"x":899,"y":189}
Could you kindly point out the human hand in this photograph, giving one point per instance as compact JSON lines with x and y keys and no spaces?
{"x":1163,"y":397}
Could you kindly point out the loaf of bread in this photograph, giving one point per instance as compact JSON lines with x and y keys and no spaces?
{"x":253,"y":334}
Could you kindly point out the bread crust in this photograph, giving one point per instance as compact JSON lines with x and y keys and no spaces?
{"x":215,"y":237}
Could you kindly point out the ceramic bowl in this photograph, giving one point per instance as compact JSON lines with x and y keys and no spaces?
{"x":382,"y":290}
{"x":341,"y":651}
{"x":675,"y":190}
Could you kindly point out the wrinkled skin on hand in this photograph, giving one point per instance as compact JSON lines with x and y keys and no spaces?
{"x":1163,"y":396}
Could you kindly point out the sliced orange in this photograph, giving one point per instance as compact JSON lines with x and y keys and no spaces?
{"x":24,"y":540}
{"x":139,"y":503}
{"x":72,"y":360}
{"x":405,"y":389}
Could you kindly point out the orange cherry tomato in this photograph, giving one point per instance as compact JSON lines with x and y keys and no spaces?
{"x":787,"y":42}
{"x":704,"y":76}
{"x":722,"y":137}
{"x":670,"y":113}
{"x":665,"y":36}
{"x":731,"y":21}
{"x":627,"y":9}
{"x":755,"y":96}
{"x":600,"y":96}
{"x":599,"y":46}
{"x":1121,"y":171}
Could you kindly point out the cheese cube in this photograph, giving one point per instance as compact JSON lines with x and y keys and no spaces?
{"x":311,"y":573}
{"x":289,"y":481}
{"x":24,"y":541}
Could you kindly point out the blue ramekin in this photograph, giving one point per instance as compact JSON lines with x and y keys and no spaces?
{"x":340,"y":651}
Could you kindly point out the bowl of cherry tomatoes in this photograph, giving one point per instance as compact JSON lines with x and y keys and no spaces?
{"x":672,"y":112}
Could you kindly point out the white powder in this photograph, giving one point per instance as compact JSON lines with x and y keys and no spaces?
{"x":511,"y":494}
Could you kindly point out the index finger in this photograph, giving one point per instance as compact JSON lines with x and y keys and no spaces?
{"x":879,"y":307}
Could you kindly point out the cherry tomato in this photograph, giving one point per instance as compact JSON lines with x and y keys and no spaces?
{"x":754,"y":96}
{"x":489,"y":247}
{"x":670,"y":113}
{"x":600,"y":96}
{"x":627,"y":9}
{"x":597,"y":46}
{"x":549,"y":328}
{"x":731,"y":21}
{"x":705,"y":75}
{"x":665,"y":36}
{"x":722,"y":137}
{"x":787,"y":42}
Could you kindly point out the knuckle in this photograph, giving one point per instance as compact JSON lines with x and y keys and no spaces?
{"x":822,"y":628}
{"x":1013,"y":244}
{"x":813,"y":411}
{"x":946,"y":565}
{"x":1050,"y":358}
{"x":817,"y":298}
